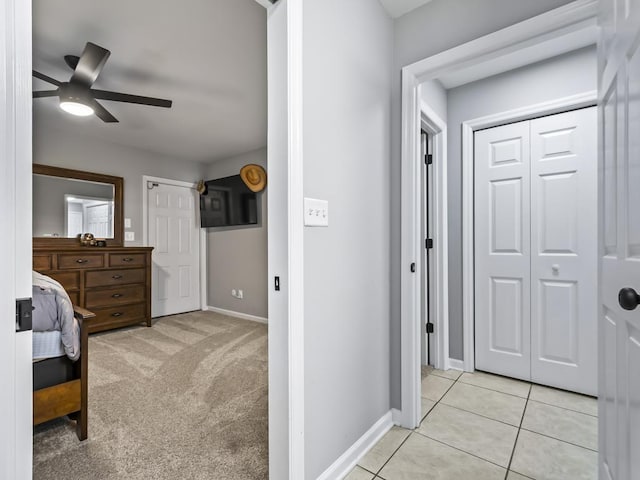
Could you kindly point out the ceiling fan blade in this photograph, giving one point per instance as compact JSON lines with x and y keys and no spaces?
{"x":125,"y":97}
{"x":46,"y":78}
{"x":45,"y":93}
{"x":90,"y":64}
{"x":102,"y":113}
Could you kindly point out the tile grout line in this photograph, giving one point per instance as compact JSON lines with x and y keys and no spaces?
{"x":421,"y":420}
{"x":494,"y":390}
{"x":515,"y":443}
{"x":460,"y":450}
{"x":563,"y":408}
{"x":480,"y":415}
{"x":559,"y":439}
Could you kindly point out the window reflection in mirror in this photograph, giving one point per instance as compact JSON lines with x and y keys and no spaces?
{"x":66,"y":207}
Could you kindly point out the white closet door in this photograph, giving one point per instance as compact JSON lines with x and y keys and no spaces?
{"x":502,"y":260}
{"x":564,"y":250}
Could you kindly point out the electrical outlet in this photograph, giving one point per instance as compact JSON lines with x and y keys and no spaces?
{"x":233,"y":293}
{"x":127,"y":223}
{"x":240,"y":294}
{"x":129,"y":236}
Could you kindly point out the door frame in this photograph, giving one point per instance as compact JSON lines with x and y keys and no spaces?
{"x":560,"y":105}
{"x":579,"y":17}
{"x":202,"y":238}
{"x":439,"y":290}
{"x":16,"y":406}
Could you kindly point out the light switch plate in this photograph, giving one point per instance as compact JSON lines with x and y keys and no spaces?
{"x":127,"y":223}
{"x":316,"y":212}
{"x":129,"y":236}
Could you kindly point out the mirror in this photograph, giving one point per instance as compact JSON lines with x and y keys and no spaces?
{"x":67,"y":203}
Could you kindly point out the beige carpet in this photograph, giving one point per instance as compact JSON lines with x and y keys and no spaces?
{"x":185,"y":399}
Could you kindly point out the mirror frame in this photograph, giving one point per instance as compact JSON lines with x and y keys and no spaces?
{"x":117,"y":182}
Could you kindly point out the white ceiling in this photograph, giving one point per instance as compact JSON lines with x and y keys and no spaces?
{"x":397,"y":8}
{"x":208,"y":56}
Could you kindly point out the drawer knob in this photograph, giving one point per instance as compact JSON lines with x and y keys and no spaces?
{"x":127,"y":259}
{"x":116,"y":295}
{"x":116,"y":314}
{"x":82,"y":260}
{"x":117,"y":277}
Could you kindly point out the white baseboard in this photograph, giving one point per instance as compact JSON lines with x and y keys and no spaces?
{"x":343,"y":465}
{"x":455,"y":364}
{"x":231,"y":313}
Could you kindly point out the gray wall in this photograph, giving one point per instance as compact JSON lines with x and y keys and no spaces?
{"x":565,"y":75}
{"x":237,"y":257}
{"x":346,"y":86}
{"x":423,"y":32}
{"x":63,"y":148}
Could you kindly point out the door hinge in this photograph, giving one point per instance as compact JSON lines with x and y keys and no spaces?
{"x":428,"y":159}
{"x":429,"y":327}
{"x":428,"y":243}
{"x":24,"y":316}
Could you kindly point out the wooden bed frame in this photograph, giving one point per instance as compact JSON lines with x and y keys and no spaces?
{"x":60,"y":385}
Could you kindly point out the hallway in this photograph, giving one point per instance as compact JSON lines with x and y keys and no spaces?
{"x":485,"y":426}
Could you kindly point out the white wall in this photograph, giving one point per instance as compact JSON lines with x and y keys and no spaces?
{"x":347,"y":50}
{"x":237,"y":256}
{"x":559,"y":77}
{"x":423,"y":32}
{"x":62,"y":148}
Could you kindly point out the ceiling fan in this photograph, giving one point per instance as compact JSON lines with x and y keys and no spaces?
{"x":78,"y":98}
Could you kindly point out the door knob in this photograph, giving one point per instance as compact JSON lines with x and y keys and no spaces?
{"x":628,"y":298}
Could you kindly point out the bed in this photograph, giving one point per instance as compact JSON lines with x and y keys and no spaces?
{"x":60,"y":349}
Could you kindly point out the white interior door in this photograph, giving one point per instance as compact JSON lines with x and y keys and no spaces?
{"x":536,"y":250}
{"x":174,"y":234}
{"x":619,"y":173}
{"x":502,"y":250}
{"x":564,"y":259}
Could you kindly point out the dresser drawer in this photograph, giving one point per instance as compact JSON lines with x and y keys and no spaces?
{"x":74,"y":297}
{"x":79,"y":260}
{"x":42,"y":263}
{"x":108,"y":318}
{"x":115,"y":277}
{"x":107,"y":297}
{"x":69,"y":280}
{"x":127,"y":259}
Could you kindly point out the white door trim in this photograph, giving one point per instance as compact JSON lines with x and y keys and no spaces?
{"x":437,"y":128}
{"x":16,"y":414}
{"x":202,"y":237}
{"x":296,"y":241}
{"x":553,"y":25}
{"x":564,"y":104}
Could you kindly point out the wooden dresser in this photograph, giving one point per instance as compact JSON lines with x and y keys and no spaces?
{"x":112,"y":282}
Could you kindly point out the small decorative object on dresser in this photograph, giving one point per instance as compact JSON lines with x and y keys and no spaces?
{"x":112,"y":282}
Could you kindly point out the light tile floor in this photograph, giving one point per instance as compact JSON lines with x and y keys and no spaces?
{"x":480,"y":426}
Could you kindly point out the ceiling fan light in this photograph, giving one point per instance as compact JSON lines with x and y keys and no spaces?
{"x":76,"y":108}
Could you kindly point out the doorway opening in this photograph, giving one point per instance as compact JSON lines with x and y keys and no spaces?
{"x":538,"y":40}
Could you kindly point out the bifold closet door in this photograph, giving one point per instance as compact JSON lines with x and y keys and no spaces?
{"x":564,"y":251}
{"x":536,"y":250}
{"x":502,"y":256}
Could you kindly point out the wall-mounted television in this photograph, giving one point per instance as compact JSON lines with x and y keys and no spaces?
{"x":228,"y":202}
